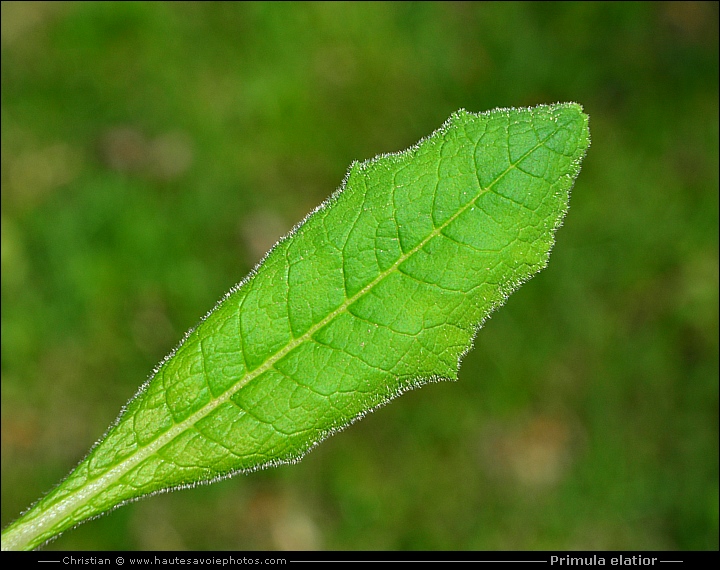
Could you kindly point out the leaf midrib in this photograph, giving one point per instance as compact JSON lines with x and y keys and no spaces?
{"x":75,"y":501}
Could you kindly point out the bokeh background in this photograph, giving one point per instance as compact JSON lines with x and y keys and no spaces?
{"x":151,"y":154}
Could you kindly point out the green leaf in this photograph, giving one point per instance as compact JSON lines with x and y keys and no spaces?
{"x":381,"y":289}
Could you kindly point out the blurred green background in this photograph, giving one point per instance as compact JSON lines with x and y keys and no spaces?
{"x":151,"y":154}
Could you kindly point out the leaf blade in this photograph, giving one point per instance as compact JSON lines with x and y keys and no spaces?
{"x":381,"y":289}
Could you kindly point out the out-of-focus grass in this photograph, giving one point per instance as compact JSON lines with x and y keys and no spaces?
{"x":151,"y":153}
